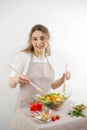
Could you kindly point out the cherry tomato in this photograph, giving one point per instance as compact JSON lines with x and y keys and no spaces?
{"x":53,"y":118}
{"x":57,"y":117}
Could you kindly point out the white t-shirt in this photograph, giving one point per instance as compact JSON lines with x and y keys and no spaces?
{"x":22,"y":61}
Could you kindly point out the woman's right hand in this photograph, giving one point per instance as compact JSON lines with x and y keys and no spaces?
{"x":22,"y":79}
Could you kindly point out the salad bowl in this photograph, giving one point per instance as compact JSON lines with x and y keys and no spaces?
{"x":53,"y":100}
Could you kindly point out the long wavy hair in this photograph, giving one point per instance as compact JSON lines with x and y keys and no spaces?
{"x":43,"y":29}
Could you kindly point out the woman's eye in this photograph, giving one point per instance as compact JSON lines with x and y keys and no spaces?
{"x":42,"y":38}
{"x":34,"y":39}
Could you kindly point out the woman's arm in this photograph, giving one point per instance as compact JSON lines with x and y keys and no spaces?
{"x":12,"y":82}
{"x":18,"y":64}
{"x":20,"y":79}
{"x":60,"y":81}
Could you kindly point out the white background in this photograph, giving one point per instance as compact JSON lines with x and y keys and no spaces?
{"x":67,"y":23}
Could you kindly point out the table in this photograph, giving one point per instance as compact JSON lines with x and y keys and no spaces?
{"x":22,"y":120}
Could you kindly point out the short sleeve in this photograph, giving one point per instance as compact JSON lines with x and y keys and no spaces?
{"x":18,"y":64}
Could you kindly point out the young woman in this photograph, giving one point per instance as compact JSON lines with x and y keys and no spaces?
{"x":35,"y":64}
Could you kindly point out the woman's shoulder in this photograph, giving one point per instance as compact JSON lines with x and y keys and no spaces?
{"x":22,"y":57}
{"x":21,"y":61}
{"x":51,"y":60}
{"x":23,"y":54}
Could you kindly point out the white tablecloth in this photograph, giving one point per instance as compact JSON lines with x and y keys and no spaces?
{"x":22,"y":120}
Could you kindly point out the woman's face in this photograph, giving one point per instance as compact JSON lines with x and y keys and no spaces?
{"x":39,"y":42}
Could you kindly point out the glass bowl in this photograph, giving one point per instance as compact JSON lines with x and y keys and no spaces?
{"x":53,"y":100}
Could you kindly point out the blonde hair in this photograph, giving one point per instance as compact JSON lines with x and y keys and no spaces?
{"x":43,"y":29}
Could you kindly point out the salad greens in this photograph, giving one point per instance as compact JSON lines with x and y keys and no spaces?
{"x":78,"y":111}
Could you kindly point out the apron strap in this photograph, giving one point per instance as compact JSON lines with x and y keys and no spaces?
{"x":29,"y":57}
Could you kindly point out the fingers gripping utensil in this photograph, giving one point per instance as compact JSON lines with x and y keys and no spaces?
{"x":64,"y":84}
{"x":35,"y":86}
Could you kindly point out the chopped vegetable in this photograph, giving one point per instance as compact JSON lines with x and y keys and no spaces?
{"x":52,"y":100}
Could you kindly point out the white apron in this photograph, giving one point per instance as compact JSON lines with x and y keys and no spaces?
{"x":41,"y":74}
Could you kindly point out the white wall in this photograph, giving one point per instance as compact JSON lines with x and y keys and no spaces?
{"x":67,"y":22}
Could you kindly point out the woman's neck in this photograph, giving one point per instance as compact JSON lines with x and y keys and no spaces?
{"x":40,"y":55}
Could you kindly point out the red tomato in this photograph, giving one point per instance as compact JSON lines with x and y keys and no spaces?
{"x":53,"y":118}
{"x":39,"y":104}
{"x":57,"y":117}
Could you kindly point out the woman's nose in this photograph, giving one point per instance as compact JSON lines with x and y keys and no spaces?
{"x":38,"y":41}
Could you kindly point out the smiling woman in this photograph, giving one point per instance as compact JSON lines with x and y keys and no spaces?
{"x":40,"y":43}
{"x":35,"y":64}
{"x":39,"y":34}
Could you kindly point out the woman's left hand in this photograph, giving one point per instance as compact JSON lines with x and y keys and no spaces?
{"x":67,"y":75}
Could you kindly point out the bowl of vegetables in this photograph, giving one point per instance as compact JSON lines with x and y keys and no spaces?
{"x":53,"y":100}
